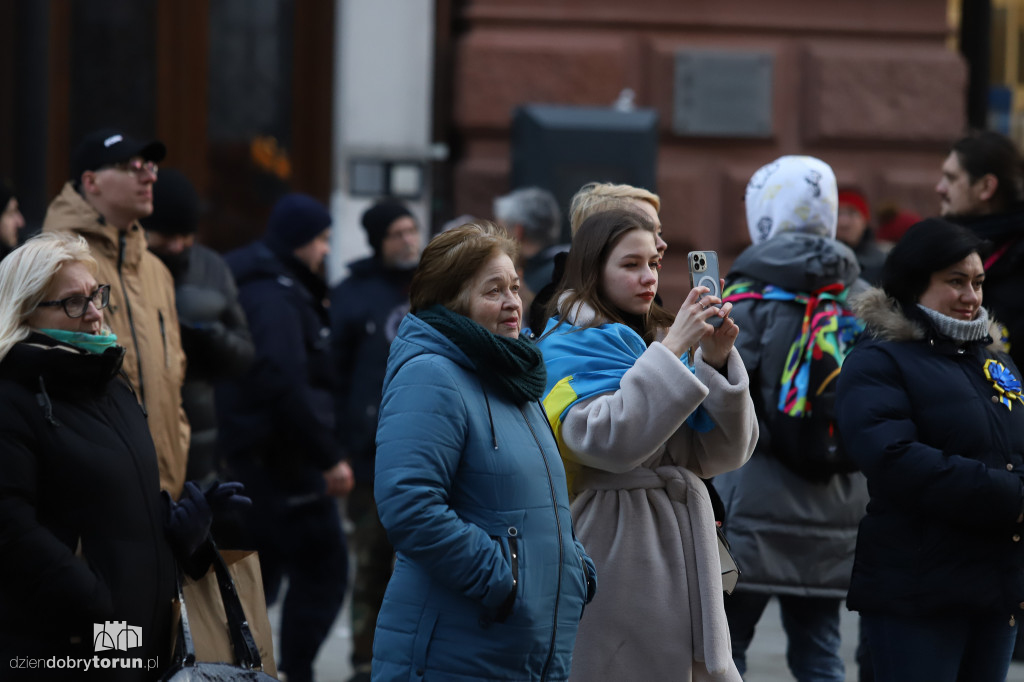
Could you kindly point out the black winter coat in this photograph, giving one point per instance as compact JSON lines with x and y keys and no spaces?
{"x":217,"y":344}
{"x":944,"y":459}
{"x":280,"y":414}
{"x":81,"y":516}
{"x":366,"y":309}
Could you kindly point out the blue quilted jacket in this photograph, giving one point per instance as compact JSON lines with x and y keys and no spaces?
{"x":490,"y":581}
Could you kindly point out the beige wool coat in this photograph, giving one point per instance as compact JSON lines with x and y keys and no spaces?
{"x":142,"y":314}
{"x":646,"y":519}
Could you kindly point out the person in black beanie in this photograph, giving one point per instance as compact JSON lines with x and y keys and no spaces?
{"x":277,"y":427}
{"x":393,"y":235}
{"x":214,"y":333}
{"x":366,"y":309}
{"x":11,"y":220}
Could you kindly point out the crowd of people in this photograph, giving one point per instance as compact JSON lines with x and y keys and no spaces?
{"x":548,"y":474}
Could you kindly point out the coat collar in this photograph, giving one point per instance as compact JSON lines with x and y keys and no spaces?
{"x":60,"y":365}
{"x":70,"y":211}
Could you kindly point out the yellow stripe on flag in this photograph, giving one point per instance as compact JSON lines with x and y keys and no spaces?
{"x":556,"y":401}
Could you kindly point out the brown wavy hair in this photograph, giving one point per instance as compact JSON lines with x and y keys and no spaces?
{"x":452,"y":259}
{"x":591,"y":246}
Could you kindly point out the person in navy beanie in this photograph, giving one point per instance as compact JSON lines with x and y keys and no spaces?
{"x":298,"y":221}
{"x":278,"y":427}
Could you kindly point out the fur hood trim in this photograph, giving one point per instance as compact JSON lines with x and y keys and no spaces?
{"x":885,"y":319}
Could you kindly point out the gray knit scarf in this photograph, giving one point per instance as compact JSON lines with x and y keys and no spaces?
{"x":959,"y":330}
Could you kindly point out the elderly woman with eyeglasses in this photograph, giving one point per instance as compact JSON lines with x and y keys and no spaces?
{"x":86,"y":537}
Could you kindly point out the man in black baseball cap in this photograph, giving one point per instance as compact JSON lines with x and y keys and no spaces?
{"x":111,"y":188}
{"x":108,"y":147}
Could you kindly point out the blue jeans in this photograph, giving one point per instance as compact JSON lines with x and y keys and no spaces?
{"x":812,"y":631}
{"x":940,"y":648}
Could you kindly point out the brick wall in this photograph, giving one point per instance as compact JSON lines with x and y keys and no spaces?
{"x":867,"y":85}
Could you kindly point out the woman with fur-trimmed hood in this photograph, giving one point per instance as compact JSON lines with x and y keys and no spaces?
{"x":931,"y":409}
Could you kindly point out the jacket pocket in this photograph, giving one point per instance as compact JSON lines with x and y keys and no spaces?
{"x":587,"y":582}
{"x":505,"y":530}
{"x":510,"y":546}
{"x":421,"y":643}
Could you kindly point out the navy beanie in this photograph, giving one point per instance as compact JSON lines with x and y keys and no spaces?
{"x":378,"y":218}
{"x":296,"y":220}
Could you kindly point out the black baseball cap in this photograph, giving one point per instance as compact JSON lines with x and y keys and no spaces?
{"x":104,"y":147}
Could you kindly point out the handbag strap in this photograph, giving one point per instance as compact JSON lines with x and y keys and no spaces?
{"x":244,"y":644}
{"x":185,"y":645}
{"x":242,"y":641}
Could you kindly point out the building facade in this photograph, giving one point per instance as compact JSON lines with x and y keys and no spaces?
{"x":870,"y":86}
{"x":345,"y":99}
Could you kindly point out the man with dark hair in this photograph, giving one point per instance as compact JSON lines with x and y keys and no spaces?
{"x":277,"y":427}
{"x":366,"y":310}
{"x":111,"y":188}
{"x":214,"y":333}
{"x":982,"y":188}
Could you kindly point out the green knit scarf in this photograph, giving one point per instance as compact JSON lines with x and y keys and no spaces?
{"x":515,"y":367}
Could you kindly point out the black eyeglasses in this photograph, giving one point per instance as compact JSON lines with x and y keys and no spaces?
{"x":136,"y":166}
{"x":75,"y":306}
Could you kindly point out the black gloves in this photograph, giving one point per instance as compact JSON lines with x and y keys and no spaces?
{"x":188,"y":521}
{"x":226,"y":496}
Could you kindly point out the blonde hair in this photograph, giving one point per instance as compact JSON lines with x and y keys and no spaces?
{"x":27,"y":273}
{"x":595,"y":197}
{"x":452,"y":259}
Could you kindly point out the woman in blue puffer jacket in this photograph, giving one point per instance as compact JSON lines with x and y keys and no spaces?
{"x":490,"y":581}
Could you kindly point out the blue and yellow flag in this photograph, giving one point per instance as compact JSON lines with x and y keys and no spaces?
{"x":586,"y":362}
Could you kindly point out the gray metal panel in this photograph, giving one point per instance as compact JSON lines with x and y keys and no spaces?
{"x":722,"y":93}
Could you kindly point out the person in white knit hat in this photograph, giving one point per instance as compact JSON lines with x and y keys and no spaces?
{"x":791,"y":521}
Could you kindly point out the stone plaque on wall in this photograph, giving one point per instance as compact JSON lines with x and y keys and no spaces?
{"x":722,"y":93}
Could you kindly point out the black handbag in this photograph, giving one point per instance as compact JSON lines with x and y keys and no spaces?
{"x":249,"y":666}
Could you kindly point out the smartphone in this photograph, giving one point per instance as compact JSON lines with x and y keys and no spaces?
{"x":704,"y":273}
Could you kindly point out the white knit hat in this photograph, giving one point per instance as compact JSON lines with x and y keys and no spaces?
{"x":792,"y":194}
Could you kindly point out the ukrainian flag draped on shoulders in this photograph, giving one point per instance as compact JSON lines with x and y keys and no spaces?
{"x":583,"y":362}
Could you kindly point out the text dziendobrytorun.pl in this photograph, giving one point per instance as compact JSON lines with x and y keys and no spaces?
{"x":83,"y":664}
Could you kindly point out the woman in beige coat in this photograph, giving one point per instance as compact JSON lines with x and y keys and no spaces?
{"x":638,"y":428}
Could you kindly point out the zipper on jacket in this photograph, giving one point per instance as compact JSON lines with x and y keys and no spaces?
{"x":561,"y":549}
{"x":121,"y":244}
{"x":163,"y":337}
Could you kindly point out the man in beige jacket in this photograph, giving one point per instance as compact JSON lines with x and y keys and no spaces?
{"x":111,"y":188}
